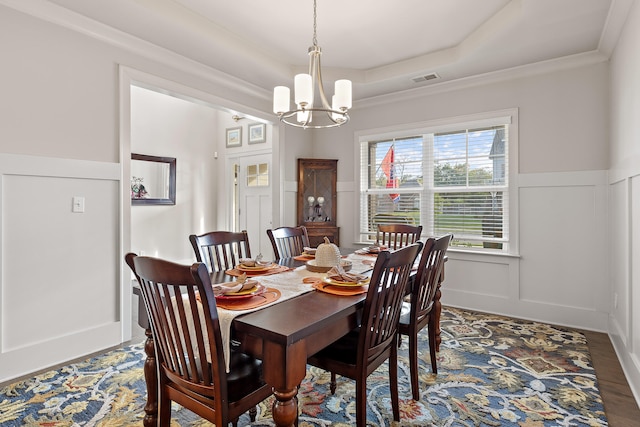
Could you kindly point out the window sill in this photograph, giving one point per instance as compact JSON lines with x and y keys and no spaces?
{"x":482,"y":253}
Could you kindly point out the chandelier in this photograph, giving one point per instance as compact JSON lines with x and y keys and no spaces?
{"x":306,"y":114}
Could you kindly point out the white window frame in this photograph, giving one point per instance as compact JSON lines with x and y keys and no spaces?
{"x":473,"y":121}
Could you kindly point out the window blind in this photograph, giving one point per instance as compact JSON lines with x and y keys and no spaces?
{"x":453,"y":181}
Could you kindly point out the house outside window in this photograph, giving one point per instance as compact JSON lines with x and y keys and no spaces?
{"x":449,"y":179}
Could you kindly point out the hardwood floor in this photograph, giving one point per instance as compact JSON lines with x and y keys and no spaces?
{"x":619,"y":404}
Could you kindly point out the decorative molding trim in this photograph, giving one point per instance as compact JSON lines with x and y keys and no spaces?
{"x":628,"y":168}
{"x":618,"y":13}
{"x":60,"y":16}
{"x":73,"y":21}
{"x":543,"y":67}
{"x":16,"y":164}
{"x":562,"y":179}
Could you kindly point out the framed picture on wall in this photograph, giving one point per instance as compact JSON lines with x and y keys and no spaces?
{"x":234,"y":137}
{"x":257,"y":133}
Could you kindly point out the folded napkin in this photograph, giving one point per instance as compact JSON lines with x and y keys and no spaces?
{"x":337,"y":273}
{"x":240,"y":284}
{"x":257,"y":262}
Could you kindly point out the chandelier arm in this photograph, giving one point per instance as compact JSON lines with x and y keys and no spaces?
{"x":323,"y":97}
{"x":289,"y":118}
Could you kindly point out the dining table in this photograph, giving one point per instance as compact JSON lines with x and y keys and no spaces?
{"x":283,"y":335}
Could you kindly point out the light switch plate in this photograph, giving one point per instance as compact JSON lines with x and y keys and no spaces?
{"x":78,"y":204}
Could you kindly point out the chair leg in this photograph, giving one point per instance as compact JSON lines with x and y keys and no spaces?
{"x":333,"y":384}
{"x":393,"y":383}
{"x":164,"y":410}
{"x":253,"y":412}
{"x":432,"y":345}
{"x":361,"y":402}
{"x":413,"y":365}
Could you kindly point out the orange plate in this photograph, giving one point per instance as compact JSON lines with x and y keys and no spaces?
{"x":268,"y":296}
{"x":341,"y":290}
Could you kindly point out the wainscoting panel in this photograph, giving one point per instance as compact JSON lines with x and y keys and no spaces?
{"x":47,"y":273}
{"x":60,"y":281}
{"x":624,"y":281}
{"x":619,"y":258}
{"x":458,"y":271}
{"x":634,"y":306}
{"x":562,"y":261}
{"x":559,"y":272}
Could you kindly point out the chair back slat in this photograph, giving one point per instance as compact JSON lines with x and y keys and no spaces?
{"x":430,"y":270}
{"x":396,"y":236}
{"x":288,"y":242}
{"x":221,"y":250}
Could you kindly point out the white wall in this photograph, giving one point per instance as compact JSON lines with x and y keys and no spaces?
{"x":624,"y":201}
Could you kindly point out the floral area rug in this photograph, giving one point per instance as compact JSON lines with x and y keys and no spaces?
{"x":492,"y":371}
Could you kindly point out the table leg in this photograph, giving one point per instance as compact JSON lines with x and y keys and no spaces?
{"x":150,"y":377}
{"x":284,"y":369}
{"x":285,"y":407}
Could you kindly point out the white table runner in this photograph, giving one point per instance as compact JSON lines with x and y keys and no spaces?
{"x":290,"y":285}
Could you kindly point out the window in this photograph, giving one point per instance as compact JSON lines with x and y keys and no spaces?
{"x":452,"y":178}
{"x":258,"y":175}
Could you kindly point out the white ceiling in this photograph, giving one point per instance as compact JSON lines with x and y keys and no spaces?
{"x":379,"y":44}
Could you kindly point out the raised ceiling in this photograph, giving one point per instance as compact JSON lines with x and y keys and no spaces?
{"x":381,"y":45}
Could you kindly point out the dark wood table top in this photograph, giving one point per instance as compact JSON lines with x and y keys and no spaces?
{"x":296,"y":318}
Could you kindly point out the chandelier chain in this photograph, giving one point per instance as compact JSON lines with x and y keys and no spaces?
{"x":315,"y":27}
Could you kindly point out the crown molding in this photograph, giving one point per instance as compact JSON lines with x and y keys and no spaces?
{"x":616,"y":18}
{"x":538,"y":68}
{"x":65,"y":18}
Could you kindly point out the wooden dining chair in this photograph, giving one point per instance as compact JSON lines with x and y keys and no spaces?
{"x":420,"y":312}
{"x":185,"y":327}
{"x":221,"y":250}
{"x":361,"y":351}
{"x":288,"y":242}
{"x":395,"y":236}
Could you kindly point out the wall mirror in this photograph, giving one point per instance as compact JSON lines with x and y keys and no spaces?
{"x":153,"y":180}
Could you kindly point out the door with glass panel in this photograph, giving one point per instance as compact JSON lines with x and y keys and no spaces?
{"x":254,"y":201}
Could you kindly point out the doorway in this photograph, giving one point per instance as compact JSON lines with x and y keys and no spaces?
{"x":202,"y":179}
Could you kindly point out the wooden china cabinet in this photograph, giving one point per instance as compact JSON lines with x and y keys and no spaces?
{"x":317,"y":199}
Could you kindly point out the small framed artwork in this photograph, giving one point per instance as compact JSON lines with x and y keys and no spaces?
{"x":234,"y":137}
{"x":257,"y":133}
